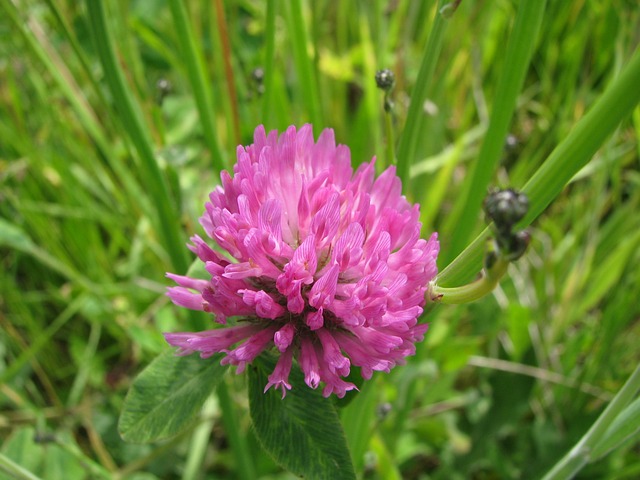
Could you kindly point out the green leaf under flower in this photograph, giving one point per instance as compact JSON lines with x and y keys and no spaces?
{"x":302,"y":431}
{"x":167,"y":395}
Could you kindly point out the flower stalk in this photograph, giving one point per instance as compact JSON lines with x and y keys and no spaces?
{"x":473,"y":291}
{"x":505,"y":208}
{"x":385,"y":80}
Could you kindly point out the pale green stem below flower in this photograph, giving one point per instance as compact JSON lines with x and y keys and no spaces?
{"x":472,"y":291}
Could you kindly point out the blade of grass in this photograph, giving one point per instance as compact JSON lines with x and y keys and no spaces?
{"x":200,"y":441}
{"x":574,"y":152}
{"x":16,"y":471}
{"x":411,"y":132}
{"x":228,"y":71}
{"x":358,"y":420}
{"x":269,"y":54}
{"x":66,"y":29}
{"x":580,"y":454}
{"x":371,"y":93}
{"x":35,"y":39}
{"x":41,"y":341}
{"x":14,"y":237}
{"x":167,"y":213}
{"x":38,"y":43}
{"x":238,"y":442}
{"x":195,"y":70}
{"x":306,"y":76}
{"x":518,"y":55}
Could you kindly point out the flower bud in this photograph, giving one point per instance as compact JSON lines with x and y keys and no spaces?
{"x":385,"y":79}
{"x":506,"y":208}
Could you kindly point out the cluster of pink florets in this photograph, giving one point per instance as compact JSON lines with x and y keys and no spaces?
{"x":326,"y":265}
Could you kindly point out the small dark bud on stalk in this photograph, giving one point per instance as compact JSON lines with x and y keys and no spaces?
{"x":385,"y":79}
{"x":506,"y":208}
{"x":516,"y":246}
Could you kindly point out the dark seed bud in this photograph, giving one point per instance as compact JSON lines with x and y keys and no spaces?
{"x":506,"y":208}
{"x":385,"y":79}
{"x":517,"y":244}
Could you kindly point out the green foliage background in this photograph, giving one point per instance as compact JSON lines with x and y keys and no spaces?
{"x":100,"y":187}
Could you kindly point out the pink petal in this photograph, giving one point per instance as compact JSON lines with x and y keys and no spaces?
{"x":280,"y":376}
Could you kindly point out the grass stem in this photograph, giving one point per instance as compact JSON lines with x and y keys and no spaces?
{"x":195,"y":70}
{"x":580,"y":454}
{"x":407,"y":149}
{"x":167,"y":213}
{"x":228,"y":70}
{"x":269,"y":53}
{"x":307,"y":80}
{"x":238,"y":441}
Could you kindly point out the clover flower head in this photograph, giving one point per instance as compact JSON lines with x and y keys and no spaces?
{"x":320,"y":264}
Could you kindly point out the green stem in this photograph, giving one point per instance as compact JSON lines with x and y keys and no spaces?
{"x":580,"y":454}
{"x":517,"y":58}
{"x":304,"y":67}
{"x":269,"y":54}
{"x":228,"y":70}
{"x":199,"y":442}
{"x":615,"y":104}
{"x":167,"y":213}
{"x":77,"y":50}
{"x":14,"y":470}
{"x":473,"y":291}
{"x":93,"y":469}
{"x":238,"y":442}
{"x":411,"y":133}
{"x":196,"y":73}
{"x":388,"y":126}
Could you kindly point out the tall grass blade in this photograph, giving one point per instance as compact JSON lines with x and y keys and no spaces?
{"x":195,"y":70}
{"x":269,"y":54}
{"x":129,"y":113}
{"x":306,"y":75}
{"x":580,"y":454}
{"x":411,"y":133}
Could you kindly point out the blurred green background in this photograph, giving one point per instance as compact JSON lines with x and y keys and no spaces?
{"x":500,"y":388}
